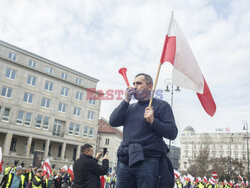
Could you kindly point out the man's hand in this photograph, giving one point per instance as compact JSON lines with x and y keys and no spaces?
{"x":106,"y":156}
{"x":98,"y":155}
{"x":149,"y":115}
{"x":128,"y":94}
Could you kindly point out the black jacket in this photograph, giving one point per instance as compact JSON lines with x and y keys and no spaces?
{"x":87,"y":172}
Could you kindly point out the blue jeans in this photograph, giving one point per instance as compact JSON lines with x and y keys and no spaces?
{"x":142,"y":175}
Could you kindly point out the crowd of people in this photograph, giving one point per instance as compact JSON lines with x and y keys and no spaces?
{"x":17,"y":176}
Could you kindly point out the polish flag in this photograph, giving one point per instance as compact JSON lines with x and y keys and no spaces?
{"x":186,"y":71}
{"x":46,"y":168}
{"x":70,"y":171}
{"x":240,"y":178}
{"x":64,"y":168}
{"x":1,"y":160}
{"x":205,"y":179}
{"x":177,"y":174}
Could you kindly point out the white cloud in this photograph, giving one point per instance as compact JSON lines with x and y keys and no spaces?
{"x":99,"y":37}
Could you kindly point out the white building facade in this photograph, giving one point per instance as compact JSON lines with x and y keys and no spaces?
{"x":221,"y":144}
{"x":43,"y":107}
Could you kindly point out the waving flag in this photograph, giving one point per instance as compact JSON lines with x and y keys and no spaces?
{"x":186,"y":71}
{"x":46,"y":168}
{"x":177,"y":174}
{"x":240,"y":178}
{"x":70,"y":171}
{"x":64,"y":168}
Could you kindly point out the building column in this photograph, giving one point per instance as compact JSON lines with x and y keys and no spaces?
{"x":63,"y":151}
{"x":46,"y":151}
{"x":78,"y":151}
{"x":27,"y":154}
{"x":7,"y":142}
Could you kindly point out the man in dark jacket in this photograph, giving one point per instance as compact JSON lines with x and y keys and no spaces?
{"x":142,"y":155}
{"x":86,"y":169}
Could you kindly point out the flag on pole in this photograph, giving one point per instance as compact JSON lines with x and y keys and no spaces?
{"x":64,"y":168}
{"x":186,"y":71}
{"x":205,"y":179}
{"x":177,"y":174}
{"x":46,"y":168}
{"x":240,"y":178}
{"x":70,"y":171}
{"x":1,"y":160}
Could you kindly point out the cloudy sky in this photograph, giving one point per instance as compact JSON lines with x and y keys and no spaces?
{"x":98,"y":37}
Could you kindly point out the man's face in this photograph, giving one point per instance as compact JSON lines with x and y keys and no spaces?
{"x":89,"y":152}
{"x":40,"y":174}
{"x":142,"y":89}
{"x":19,"y":172}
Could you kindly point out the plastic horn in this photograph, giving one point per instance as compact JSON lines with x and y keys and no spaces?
{"x":123,"y":71}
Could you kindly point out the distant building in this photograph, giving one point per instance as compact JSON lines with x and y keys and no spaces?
{"x":109,"y":139}
{"x":174,"y":156}
{"x":43,"y":108}
{"x":221,"y":144}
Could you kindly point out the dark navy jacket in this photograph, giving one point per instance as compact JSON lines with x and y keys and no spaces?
{"x":141,"y":139}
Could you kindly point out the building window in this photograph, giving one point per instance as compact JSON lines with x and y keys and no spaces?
{"x":46,"y":123}
{"x":79,"y":96}
{"x":32,"y":147}
{"x":19,"y":119}
{"x":49,"y":70}
{"x":91,"y":132}
{"x":6,"y":92}
{"x":85,"y":132}
{"x":6,"y":114}
{"x":32,"y":63}
{"x":10,"y":73}
{"x":77,"y":130}
{"x":91,"y":115}
{"x":12,"y":56}
{"x":46,"y":103}
{"x":59,"y":151}
{"x":65,"y":91}
{"x":78,"y":81}
{"x":64,"y":75}
{"x":185,"y":164}
{"x":92,"y":101}
{"x":27,"y":98}
{"x":62,"y":107}
{"x":31,"y":80}
{"x":71,"y":129}
{"x":77,"y":111}
{"x":57,"y":127}
{"x":48,"y":86}
{"x":107,"y":141}
{"x":13,"y":144}
{"x":39,"y":121}
{"x":28,"y":119}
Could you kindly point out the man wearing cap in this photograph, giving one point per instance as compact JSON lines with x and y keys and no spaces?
{"x":16,"y":179}
{"x":39,"y":180}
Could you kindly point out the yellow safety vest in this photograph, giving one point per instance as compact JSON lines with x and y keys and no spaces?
{"x":10,"y":178}
{"x":7,"y":170}
{"x":108,"y":180}
{"x":37,"y":179}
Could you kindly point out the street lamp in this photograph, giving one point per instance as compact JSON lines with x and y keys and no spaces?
{"x":169,"y":84}
{"x":245,"y":127}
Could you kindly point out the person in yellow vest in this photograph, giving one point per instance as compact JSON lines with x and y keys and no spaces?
{"x":16,"y":179}
{"x":179,"y":184}
{"x":29,"y":176}
{"x":39,"y":181}
{"x":6,"y":173}
{"x":108,"y":181}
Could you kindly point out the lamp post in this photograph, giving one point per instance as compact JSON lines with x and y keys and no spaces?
{"x":169,"y":84}
{"x":245,"y":127}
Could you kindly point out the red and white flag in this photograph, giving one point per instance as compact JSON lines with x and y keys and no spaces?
{"x":70,"y":171}
{"x":46,"y":168}
{"x":177,"y":174}
{"x":205,"y":179}
{"x":64,"y":168}
{"x":1,"y":160}
{"x":240,"y":178}
{"x":186,"y":71}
